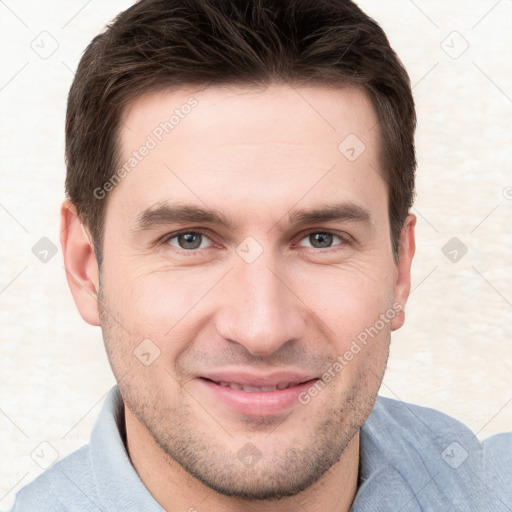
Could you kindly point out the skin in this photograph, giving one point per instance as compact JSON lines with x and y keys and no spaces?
{"x":256,"y":155}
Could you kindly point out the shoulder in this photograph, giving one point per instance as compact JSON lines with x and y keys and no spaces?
{"x":68,"y":485}
{"x":418,"y":427}
{"x":416,"y":422}
{"x":428,"y":447}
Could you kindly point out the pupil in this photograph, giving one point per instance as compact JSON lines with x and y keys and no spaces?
{"x":321,"y":240}
{"x":190,"y":240}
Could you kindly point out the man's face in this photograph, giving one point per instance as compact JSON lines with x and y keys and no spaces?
{"x":270,"y":298}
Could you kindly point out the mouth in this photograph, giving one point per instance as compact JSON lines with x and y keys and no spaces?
{"x":258,"y":389}
{"x":249,"y":399}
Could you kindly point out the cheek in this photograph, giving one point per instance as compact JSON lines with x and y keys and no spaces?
{"x":161,"y":305}
{"x":348,"y":300}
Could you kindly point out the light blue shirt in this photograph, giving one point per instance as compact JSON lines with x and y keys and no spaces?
{"x":411,"y":459}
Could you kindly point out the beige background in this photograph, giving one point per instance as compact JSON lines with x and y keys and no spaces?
{"x":455,"y":351}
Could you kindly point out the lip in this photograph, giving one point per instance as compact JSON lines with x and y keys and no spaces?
{"x":256,"y":403}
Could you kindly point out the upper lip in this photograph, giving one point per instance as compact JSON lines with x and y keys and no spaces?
{"x":256,"y":380}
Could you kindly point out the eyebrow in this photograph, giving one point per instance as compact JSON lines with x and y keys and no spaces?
{"x":165,"y":213}
{"x":330,"y":212}
{"x":169,"y":213}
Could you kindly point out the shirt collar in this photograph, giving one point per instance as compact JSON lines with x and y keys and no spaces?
{"x":117,"y":482}
{"x":380,"y":485}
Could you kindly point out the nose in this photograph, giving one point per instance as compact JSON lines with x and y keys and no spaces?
{"x":260,"y":310}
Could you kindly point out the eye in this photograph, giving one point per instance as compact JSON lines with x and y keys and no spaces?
{"x":188,"y":240}
{"x":322,"y":240}
{"x":191,"y":241}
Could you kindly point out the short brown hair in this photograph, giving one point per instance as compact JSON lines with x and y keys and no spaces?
{"x":157,"y":44}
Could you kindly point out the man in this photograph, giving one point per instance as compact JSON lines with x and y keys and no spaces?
{"x":240,"y":175}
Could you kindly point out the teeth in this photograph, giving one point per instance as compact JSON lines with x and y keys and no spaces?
{"x":254,"y":389}
{"x":286,"y":385}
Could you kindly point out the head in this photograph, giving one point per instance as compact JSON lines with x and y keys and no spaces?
{"x":243,"y":172}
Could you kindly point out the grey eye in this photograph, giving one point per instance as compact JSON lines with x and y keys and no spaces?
{"x":188,"y":240}
{"x":321,"y":240}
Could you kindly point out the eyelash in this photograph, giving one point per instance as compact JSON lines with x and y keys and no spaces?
{"x":345,"y":240}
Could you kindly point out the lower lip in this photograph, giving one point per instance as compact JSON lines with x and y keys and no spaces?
{"x":257,"y":403}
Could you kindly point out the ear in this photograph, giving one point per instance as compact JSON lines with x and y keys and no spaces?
{"x":403,"y":276}
{"x":80,"y":263}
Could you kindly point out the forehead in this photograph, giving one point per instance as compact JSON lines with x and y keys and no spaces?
{"x":249,"y":149}
{"x":249,"y":115}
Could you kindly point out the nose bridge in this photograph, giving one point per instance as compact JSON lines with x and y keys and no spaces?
{"x":260,"y":312}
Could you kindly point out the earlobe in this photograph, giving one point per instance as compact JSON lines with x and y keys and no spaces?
{"x":80,"y":264}
{"x":403,"y":276}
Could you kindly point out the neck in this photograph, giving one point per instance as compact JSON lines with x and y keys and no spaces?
{"x":175,"y":489}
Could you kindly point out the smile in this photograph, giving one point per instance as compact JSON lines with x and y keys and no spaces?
{"x":254,"y":389}
{"x":250,"y":399}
